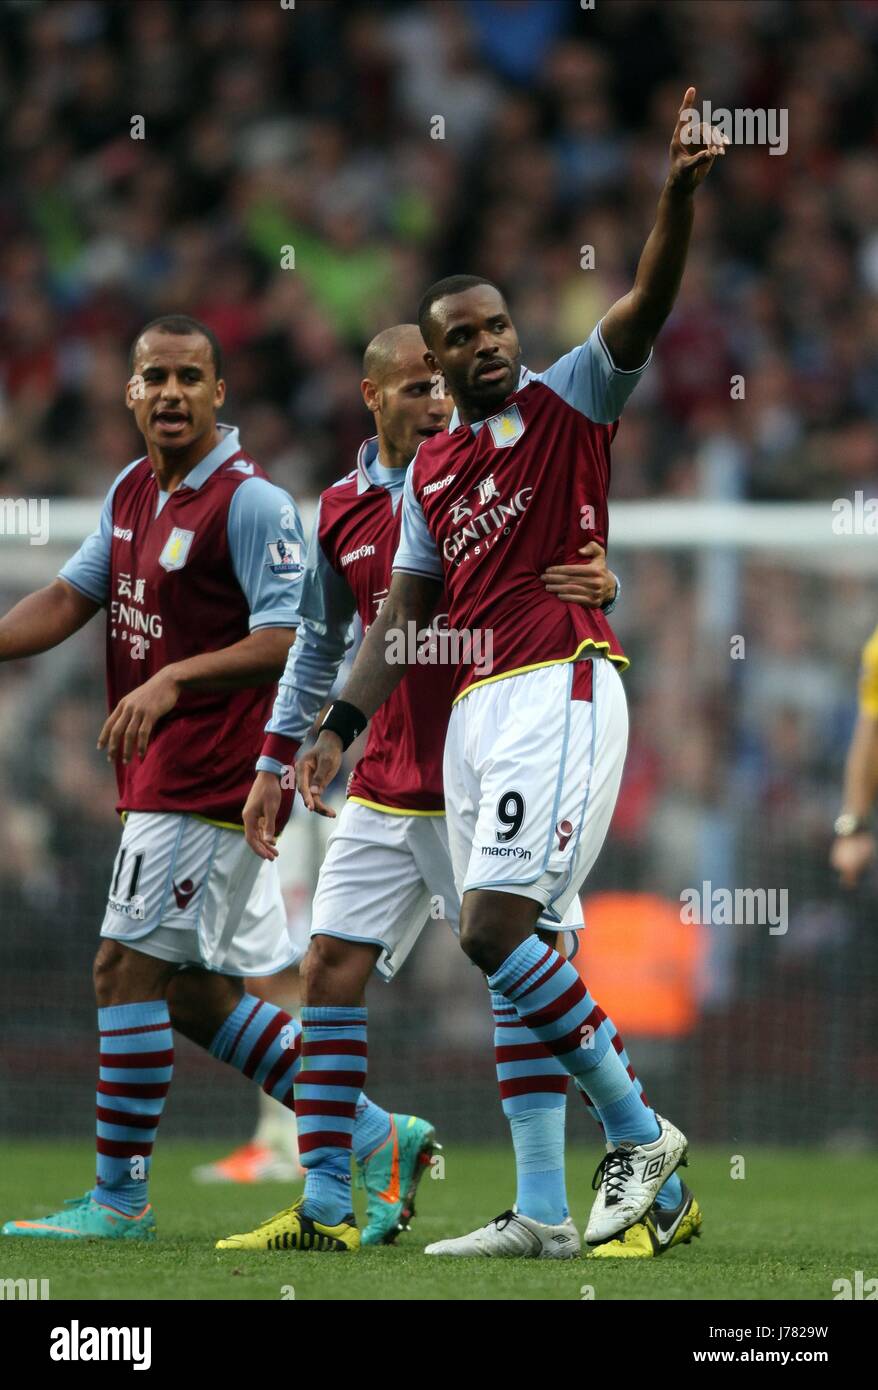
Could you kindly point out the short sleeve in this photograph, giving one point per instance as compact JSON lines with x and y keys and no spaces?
{"x":89,"y":569}
{"x":327,"y":601}
{"x":267,"y":546}
{"x":416,"y":552}
{"x":588,"y":379}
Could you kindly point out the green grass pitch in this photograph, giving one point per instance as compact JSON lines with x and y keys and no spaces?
{"x":795,"y":1222}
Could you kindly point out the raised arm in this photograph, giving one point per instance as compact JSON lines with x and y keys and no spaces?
{"x":630,"y":328}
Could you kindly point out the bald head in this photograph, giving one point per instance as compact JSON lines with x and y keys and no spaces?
{"x":401,"y":392}
{"x":396,"y":349}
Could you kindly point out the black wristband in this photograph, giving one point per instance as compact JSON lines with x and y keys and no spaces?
{"x":345,"y":720}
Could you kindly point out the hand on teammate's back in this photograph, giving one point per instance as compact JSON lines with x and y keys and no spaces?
{"x":591,"y":584}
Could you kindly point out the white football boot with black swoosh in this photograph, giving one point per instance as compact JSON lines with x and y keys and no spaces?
{"x":511,"y":1235}
{"x":628,"y":1179}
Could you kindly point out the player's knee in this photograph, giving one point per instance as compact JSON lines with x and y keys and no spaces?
{"x":107,"y":972}
{"x":125,"y":976}
{"x":185,"y":1002}
{"x":492,"y":925}
{"x":478,"y":940}
{"x":335,"y":971}
{"x":199,"y":1002}
{"x":324,"y":958}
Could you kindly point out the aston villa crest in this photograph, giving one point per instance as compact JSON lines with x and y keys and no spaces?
{"x":177,"y":547}
{"x":507,"y":427}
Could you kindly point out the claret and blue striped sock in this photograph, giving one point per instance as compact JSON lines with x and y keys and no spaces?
{"x":552,"y":1001}
{"x":327,"y":1087}
{"x":371,"y":1128}
{"x":265,"y":1044}
{"x":615,"y":1127}
{"x":136,"y":1066}
{"x":533,"y":1093}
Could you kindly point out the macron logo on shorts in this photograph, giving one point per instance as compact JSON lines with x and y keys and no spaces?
{"x":506,"y":851}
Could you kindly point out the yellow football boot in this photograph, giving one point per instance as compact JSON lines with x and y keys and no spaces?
{"x":294,"y":1230}
{"x":659,"y":1231}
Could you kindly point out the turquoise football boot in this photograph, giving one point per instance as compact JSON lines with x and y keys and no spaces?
{"x":391,"y":1175}
{"x":85,"y":1219}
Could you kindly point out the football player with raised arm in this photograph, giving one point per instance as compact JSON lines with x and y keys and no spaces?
{"x":535,"y":750}
{"x":387,"y":869}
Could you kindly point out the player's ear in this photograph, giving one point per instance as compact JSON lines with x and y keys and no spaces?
{"x":134,"y":390}
{"x":371,"y":395}
{"x":219,"y":394}
{"x":432,"y":362}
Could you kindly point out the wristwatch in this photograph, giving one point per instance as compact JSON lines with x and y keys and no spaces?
{"x":848,"y":824}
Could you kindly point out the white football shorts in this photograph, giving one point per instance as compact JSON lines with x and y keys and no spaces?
{"x":385,"y":877}
{"x":193,"y":893}
{"x":531,"y":777}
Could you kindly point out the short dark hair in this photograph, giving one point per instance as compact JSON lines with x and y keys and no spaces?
{"x":452,"y":284}
{"x":182,"y":325}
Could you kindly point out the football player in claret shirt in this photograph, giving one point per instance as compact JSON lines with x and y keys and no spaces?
{"x":387,"y":864}
{"x":198,"y":561}
{"x":534,"y":751}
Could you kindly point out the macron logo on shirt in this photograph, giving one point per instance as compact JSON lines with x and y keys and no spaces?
{"x":360,"y":554}
{"x":242,"y":466}
{"x":435,"y":487}
{"x":122,"y":533}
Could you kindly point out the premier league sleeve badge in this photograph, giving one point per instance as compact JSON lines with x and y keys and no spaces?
{"x":284,"y":557}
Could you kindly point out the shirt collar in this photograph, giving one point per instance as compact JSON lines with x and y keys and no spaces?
{"x":366,"y":454}
{"x":228,"y":446}
{"x":524,"y":377}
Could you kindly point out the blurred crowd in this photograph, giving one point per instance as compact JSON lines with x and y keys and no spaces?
{"x":288,"y":190}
